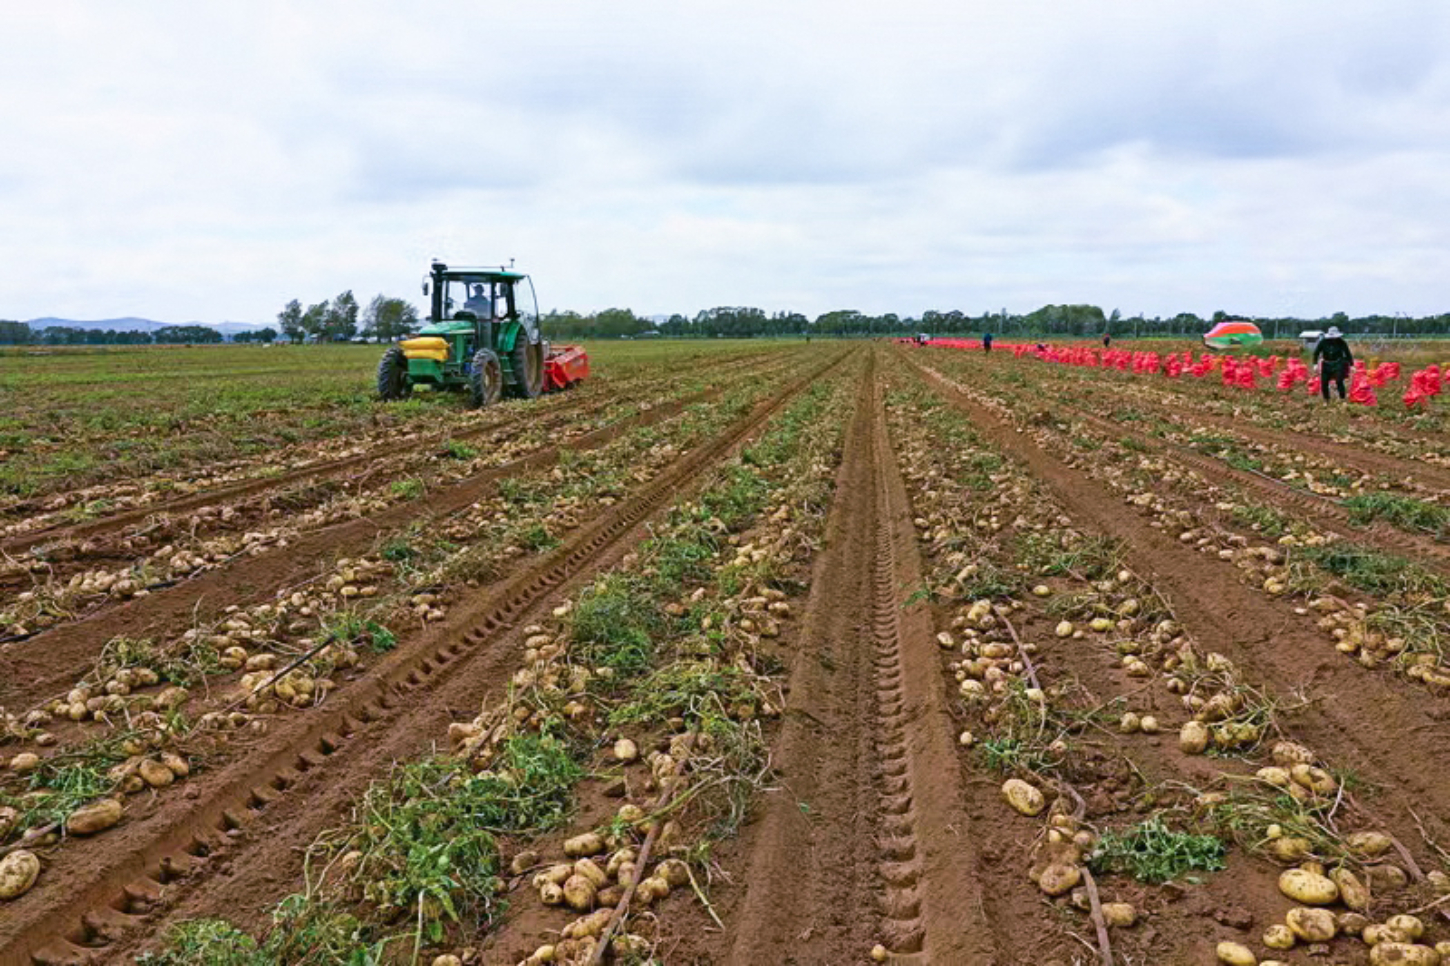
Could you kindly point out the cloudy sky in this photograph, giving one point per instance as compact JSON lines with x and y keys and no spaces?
{"x":183,"y":160}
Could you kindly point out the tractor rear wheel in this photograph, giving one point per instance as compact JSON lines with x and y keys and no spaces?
{"x":485,"y":382}
{"x":527,"y":362}
{"x":393,"y":375}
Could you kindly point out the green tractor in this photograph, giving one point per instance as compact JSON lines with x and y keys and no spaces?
{"x":482,"y":336}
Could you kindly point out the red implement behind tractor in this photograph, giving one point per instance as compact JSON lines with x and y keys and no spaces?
{"x":566,"y":365}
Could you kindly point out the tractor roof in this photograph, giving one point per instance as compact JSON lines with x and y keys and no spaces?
{"x":466,"y":274}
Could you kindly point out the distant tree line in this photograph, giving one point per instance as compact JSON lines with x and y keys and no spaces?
{"x":1047,"y":321}
{"x":337,"y":320}
{"x":20,"y":333}
{"x":387,"y":319}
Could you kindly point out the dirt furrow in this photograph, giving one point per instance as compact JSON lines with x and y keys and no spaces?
{"x":93,"y":896}
{"x":567,"y":406}
{"x":1362,"y":720}
{"x":867,"y":842}
{"x":48,"y":662}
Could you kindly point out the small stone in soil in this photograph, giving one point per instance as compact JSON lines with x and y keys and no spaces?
{"x":1235,"y":917}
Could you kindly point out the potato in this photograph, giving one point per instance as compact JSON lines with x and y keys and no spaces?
{"x":1233,"y":954}
{"x":551,"y":894}
{"x":591,"y":871}
{"x":1410,"y":926}
{"x":1290,"y":848}
{"x":1119,"y":914}
{"x":554,"y":873}
{"x":1382,"y":933}
{"x":1025,"y":798}
{"x":93,"y":818}
{"x":1279,"y":936}
{"x":1064,"y":629}
{"x":178,"y":765}
{"x":1059,"y":878}
{"x":673,"y":871}
{"x":1317,"y":780}
{"x":1351,"y":923}
{"x":1403,"y":954}
{"x":1385,"y":878}
{"x":1287,"y":754}
{"x":652,"y":889}
{"x":1193,"y":740}
{"x":625,"y":750}
{"x":590,"y":843}
{"x":18,"y":872}
{"x":1369,"y":844}
{"x":1149,"y":725}
{"x":24,"y":763}
{"x":580,"y":892}
{"x":447,"y":959}
{"x":155,"y":774}
{"x":1312,"y":925}
{"x":1274,"y":775}
{"x":590,"y":925}
{"x":1310,"y":888}
{"x":1352,"y":892}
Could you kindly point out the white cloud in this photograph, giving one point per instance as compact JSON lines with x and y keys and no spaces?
{"x":185,"y":161}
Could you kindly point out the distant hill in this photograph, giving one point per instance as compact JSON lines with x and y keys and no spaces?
{"x":133,"y":324}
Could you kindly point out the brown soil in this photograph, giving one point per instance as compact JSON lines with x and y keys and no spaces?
{"x":869,"y":839}
{"x":48,"y":663}
{"x":877,"y":828}
{"x":283,"y":790}
{"x":1360,"y":719}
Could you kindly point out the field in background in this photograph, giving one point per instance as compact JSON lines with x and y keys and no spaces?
{"x":70,"y":417}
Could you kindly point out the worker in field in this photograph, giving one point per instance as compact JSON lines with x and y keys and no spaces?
{"x":986,"y":342}
{"x":1333,"y":360}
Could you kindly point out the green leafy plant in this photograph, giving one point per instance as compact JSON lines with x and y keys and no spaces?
{"x":1152,"y":852}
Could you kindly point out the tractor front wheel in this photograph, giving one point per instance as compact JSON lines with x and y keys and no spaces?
{"x":485,"y":382}
{"x":393,"y":375}
{"x":527,"y":362}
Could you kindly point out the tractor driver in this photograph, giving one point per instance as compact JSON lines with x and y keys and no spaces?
{"x":480,"y":303}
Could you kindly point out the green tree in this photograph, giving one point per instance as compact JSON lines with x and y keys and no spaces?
{"x":341,"y":320}
{"x":289,"y":320}
{"x":387,"y":319}
{"x":314,"y":320}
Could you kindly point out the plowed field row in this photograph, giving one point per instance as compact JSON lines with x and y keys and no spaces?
{"x":882,"y":658}
{"x":48,"y":661}
{"x":87,"y":899}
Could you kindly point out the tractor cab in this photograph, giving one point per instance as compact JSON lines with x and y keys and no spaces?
{"x":482,"y":336}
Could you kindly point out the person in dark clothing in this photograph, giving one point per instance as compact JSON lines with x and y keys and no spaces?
{"x":986,"y":342}
{"x":1107,"y":339}
{"x":1332,"y":356}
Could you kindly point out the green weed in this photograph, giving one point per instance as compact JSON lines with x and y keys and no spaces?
{"x":409,"y":489}
{"x":1403,"y":512}
{"x":1152,"y":852}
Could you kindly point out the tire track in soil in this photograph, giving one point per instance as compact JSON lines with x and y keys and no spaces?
{"x":45,"y":664}
{"x":241,"y":489}
{"x":87,"y":901}
{"x":865,"y":755}
{"x":1369,"y":723}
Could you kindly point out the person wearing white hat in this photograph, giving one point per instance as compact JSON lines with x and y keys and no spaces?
{"x":1333,"y":359}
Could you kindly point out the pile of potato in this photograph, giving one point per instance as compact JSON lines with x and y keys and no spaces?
{"x":594,"y":883}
